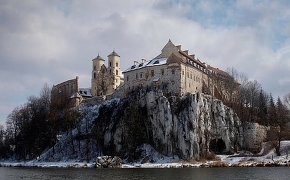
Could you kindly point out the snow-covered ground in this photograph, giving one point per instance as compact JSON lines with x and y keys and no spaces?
{"x":155,"y":160}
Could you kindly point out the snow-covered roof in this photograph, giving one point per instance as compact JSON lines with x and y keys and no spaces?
{"x":153,"y":62}
{"x":85,"y":92}
{"x":76,"y":95}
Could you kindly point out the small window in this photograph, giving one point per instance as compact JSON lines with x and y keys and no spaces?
{"x":162,"y":72}
{"x":117,"y":64}
{"x":95,"y":76}
{"x":173,"y":71}
{"x":152,"y":73}
{"x":110,"y":71}
{"x":95,"y":68}
{"x":182,"y":72}
{"x":110,"y":64}
{"x":116,"y":72}
{"x":140,"y":75}
{"x":187,"y":75}
{"x":127,"y":78}
{"x":190,"y":76}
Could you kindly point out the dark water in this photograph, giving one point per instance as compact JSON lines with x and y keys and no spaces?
{"x":158,"y":174}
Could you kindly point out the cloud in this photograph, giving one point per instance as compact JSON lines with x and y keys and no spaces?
{"x":52,"y":41}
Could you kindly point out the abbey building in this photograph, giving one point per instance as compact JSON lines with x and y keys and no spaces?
{"x":174,"y":70}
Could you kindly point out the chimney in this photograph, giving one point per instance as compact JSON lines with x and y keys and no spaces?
{"x":193,"y":56}
{"x":143,"y":60}
{"x":135,"y":62}
{"x":186,"y":52}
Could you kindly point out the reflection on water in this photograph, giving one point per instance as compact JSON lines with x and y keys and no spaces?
{"x":134,"y":174}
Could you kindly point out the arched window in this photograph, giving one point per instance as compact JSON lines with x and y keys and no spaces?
{"x":116,"y":72}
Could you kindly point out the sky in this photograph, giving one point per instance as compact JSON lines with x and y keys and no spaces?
{"x":52,"y":41}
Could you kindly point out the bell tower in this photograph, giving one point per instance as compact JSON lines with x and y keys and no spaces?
{"x":114,"y":69}
{"x":98,"y":62}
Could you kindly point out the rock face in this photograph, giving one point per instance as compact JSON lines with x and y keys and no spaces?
{"x":192,"y":126}
{"x":189,"y":127}
{"x":254,"y":136}
{"x":108,"y":162}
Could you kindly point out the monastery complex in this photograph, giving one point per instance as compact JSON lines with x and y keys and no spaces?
{"x":174,"y":71}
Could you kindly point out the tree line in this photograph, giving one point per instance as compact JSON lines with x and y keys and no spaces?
{"x":33,"y":127}
{"x":253,"y":104}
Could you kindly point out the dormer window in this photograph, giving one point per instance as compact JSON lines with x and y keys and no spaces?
{"x":156,"y":62}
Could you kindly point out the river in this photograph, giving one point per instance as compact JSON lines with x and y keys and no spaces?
{"x":134,"y":174}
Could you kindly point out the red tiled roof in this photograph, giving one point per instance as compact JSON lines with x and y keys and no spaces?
{"x":217,"y":70}
{"x":189,"y":57}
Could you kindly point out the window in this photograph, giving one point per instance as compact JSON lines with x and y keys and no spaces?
{"x":140,"y":75}
{"x":94,"y":67}
{"x":116,"y":72}
{"x":190,"y":76}
{"x":152,"y":73}
{"x":110,"y":64}
{"x":187,"y":74}
{"x":162,"y":72}
{"x":127,"y":78}
{"x":95,"y":76}
{"x":182,"y":72}
{"x":173,"y":71}
{"x":117,"y":64}
{"x":110,"y":71}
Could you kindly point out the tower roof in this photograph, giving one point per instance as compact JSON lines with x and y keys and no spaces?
{"x":98,"y":58}
{"x":113,"y":54}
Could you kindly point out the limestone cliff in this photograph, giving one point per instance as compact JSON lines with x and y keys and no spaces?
{"x":189,"y":127}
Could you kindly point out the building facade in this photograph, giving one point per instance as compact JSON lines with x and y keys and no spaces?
{"x":69,"y":93}
{"x":177,"y":73}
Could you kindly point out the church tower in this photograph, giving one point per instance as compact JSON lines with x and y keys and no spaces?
{"x":114,"y":69}
{"x":98,"y":62}
{"x":105,"y":80}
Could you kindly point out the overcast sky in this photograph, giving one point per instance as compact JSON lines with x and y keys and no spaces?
{"x":52,"y":41}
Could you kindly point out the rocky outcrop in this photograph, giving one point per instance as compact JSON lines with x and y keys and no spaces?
{"x":254,"y":136}
{"x":192,"y":126}
{"x":189,"y":127}
{"x":108,"y":162}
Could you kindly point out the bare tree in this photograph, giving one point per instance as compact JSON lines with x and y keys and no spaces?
{"x":287,"y":100}
{"x":104,"y":81}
